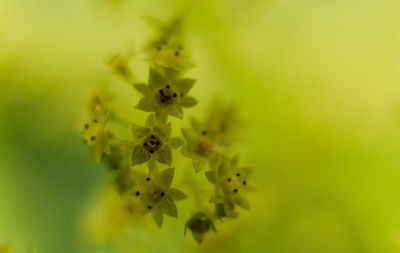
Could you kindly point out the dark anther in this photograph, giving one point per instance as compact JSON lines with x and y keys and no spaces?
{"x":162,"y":194}
{"x":87,"y":126}
{"x":235,"y":190}
{"x":204,"y":132}
{"x":229,"y":179}
{"x":152,"y":144}
{"x":148,"y":207}
{"x":167,"y":86}
{"x":238,"y":174}
{"x":161,"y":92}
{"x":93,"y":138}
{"x":177,"y":53}
{"x":95,"y":121}
{"x":175,"y":95}
{"x":163,"y":100}
{"x":137,"y":193}
{"x":244,"y":182}
{"x":148,"y":179}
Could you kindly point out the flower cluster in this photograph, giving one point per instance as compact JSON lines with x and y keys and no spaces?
{"x":137,"y":162}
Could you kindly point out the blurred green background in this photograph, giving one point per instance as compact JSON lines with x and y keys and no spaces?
{"x":316,"y":80}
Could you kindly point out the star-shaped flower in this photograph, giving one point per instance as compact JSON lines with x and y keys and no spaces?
{"x":199,"y":224}
{"x":156,"y":195}
{"x":153,"y":142}
{"x":230,"y":184}
{"x":165,"y":94}
{"x":222,"y":117}
{"x":199,"y":145}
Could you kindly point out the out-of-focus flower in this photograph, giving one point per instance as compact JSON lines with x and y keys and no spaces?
{"x":96,"y":133}
{"x":165,"y":94}
{"x":231,"y":183}
{"x":223,"y":119}
{"x":119,"y":65}
{"x":167,"y":49}
{"x":199,"y":145}
{"x":200,"y":224}
{"x":156,"y":195}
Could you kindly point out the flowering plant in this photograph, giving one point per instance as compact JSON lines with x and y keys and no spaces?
{"x":207,"y":142}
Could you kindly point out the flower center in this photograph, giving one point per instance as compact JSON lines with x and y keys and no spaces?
{"x":204,"y":147}
{"x":167,"y":95}
{"x":152,"y":143}
{"x":154,"y":193}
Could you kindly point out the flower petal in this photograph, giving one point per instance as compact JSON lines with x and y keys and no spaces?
{"x":150,"y":121}
{"x":156,"y":79}
{"x":185,"y":152}
{"x":139,"y":132}
{"x":199,"y":162}
{"x":163,"y":131}
{"x":187,"y":101}
{"x":166,"y":176}
{"x":214,"y":161}
{"x":175,"y":110}
{"x":234,"y":161}
{"x":184,"y":85}
{"x":210,"y":174}
{"x":164,"y":155}
{"x":218,"y":196}
{"x":223,"y":169}
{"x":161,"y":116}
{"x":176,"y":194}
{"x":157,"y":216}
{"x":187,"y":134}
{"x":241,"y":201}
{"x":175,"y":142}
{"x":139,"y":155}
{"x":168,"y":207}
{"x":147,"y":104}
{"x":152,"y":165}
{"x":142,"y":88}
{"x":96,"y":152}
